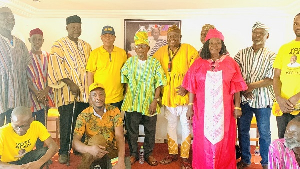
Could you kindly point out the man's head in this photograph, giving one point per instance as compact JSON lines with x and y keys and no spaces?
{"x":21,"y":119}
{"x":36,"y":39}
{"x":292,"y":133}
{"x":296,"y":25}
{"x":97,"y":95}
{"x":260,"y":33}
{"x":204,"y":31}
{"x":7,"y":19}
{"x":293,"y":59}
{"x":108,"y":36}
{"x":174,"y":36}
{"x":141,"y":44}
{"x":73,"y":27}
{"x":155,"y":31}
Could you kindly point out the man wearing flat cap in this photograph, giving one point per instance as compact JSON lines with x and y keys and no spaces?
{"x":14,"y":59}
{"x":256,"y":68}
{"x":40,"y":93}
{"x":176,"y":58}
{"x":67,"y":77}
{"x":104,"y":67}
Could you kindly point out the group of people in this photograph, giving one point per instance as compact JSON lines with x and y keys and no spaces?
{"x":207,"y":90}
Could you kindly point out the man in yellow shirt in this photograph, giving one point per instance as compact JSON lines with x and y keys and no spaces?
{"x":18,"y":138}
{"x":176,"y":58}
{"x":104,"y":67}
{"x":286,"y":80}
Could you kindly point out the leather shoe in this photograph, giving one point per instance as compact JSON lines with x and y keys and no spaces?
{"x":63,"y":158}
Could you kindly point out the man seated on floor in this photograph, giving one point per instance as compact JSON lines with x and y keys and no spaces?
{"x":103,"y":126}
{"x":285,"y":152}
{"x":18,"y":138}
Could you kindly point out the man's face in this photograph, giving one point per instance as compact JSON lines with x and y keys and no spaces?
{"x":97,"y":97}
{"x":74,"y":30}
{"x":7,"y":21}
{"x":296,"y":26}
{"x":108,"y":39}
{"x":36,"y":42}
{"x":155,"y":33}
{"x":215,"y":46}
{"x":174,"y":39}
{"x":293,"y":59}
{"x":259,"y":36}
{"x":292,"y":135}
{"x":21,"y":124}
{"x":142,"y":50}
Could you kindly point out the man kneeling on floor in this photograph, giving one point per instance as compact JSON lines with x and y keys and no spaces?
{"x":18,"y":138}
{"x":103,"y":127}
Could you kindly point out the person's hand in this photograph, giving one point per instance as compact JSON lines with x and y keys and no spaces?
{"x":250,"y":88}
{"x":74,"y":89}
{"x":181,"y":91}
{"x":248,"y":95}
{"x":119,"y":165}
{"x":32,"y":165}
{"x":152,"y":107}
{"x":42,"y":96}
{"x":190,"y":112}
{"x":237,"y":113}
{"x":294,"y":100}
{"x":97,"y":151}
{"x":286,"y":106}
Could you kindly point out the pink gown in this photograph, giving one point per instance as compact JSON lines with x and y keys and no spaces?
{"x":214,"y":126}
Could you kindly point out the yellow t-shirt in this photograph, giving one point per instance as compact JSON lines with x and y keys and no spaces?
{"x":107,"y":71}
{"x":290,"y":72}
{"x":181,"y":62}
{"x":13,"y":146}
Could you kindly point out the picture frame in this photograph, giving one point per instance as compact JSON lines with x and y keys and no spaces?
{"x":131,"y":26}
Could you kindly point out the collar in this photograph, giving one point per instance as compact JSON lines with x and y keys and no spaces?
{"x":96,"y":114}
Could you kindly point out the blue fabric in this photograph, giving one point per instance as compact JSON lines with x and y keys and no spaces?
{"x":263,"y":123}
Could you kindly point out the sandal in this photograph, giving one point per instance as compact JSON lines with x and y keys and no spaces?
{"x":185,"y":164}
{"x":170,"y":158}
{"x":242,"y":165}
{"x":132,"y":160}
{"x":152,"y":161}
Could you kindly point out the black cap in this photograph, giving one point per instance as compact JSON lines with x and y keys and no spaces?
{"x":73,"y":19}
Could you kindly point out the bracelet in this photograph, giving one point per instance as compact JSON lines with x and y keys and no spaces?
{"x":237,"y":108}
{"x":191,"y":104}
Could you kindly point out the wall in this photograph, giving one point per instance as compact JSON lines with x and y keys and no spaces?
{"x":234,"y":23}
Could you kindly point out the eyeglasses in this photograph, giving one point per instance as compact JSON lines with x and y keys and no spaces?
{"x":141,"y":46}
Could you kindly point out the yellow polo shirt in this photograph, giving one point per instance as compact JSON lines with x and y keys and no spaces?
{"x":107,"y":71}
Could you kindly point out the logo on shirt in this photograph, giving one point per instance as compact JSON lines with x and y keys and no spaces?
{"x":293,"y":62}
{"x":295,"y":51}
{"x":23,"y":145}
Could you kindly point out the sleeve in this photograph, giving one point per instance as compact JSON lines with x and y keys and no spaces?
{"x":27,"y":57}
{"x":278,"y":60}
{"x":125,"y":71}
{"x":237,"y":82}
{"x":43,"y":132}
{"x":118,"y":121}
{"x":91,"y":65}
{"x":275,"y":156}
{"x":189,"y":81}
{"x":192,"y":55}
{"x":1,"y":143}
{"x":56,"y":66}
{"x":237,"y":58}
{"x":160,"y":77}
{"x":270,"y":69}
{"x":80,"y":124}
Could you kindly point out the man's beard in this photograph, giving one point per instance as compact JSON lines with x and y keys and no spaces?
{"x":291,"y":143}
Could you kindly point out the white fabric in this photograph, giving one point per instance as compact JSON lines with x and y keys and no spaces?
{"x":214,"y":107}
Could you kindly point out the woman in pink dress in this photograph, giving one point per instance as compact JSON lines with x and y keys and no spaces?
{"x":214,"y":82}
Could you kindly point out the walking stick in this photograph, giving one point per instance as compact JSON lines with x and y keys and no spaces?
{"x":69,"y":151}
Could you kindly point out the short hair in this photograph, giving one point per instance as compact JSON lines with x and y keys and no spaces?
{"x":297,"y":15}
{"x":21,"y":110}
{"x":205,"y":53}
{"x":296,"y":119}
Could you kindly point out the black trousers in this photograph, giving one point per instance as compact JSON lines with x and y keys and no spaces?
{"x":5,"y":117}
{"x":132,"y":121}
{"x":118,"y":104}
{"x":65,"y":120}
{"x":282,"y":122}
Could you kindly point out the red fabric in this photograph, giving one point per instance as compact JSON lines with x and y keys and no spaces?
{"x":35,"y":31}
{"x":214,"y":33}
{"x":194,"y":82}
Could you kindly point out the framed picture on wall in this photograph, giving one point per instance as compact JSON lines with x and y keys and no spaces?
{"x":157,"y":33}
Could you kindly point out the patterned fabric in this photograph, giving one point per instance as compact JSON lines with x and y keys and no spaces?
{"x":256,"y":67}
{"x":14,"y":59}
{"x":180,"y":65}
{"x":159,"y":43}
{"x":142,"y":79}
{"x":68,"y":60}
{"x":89,"y":124}
{"x":141,"y":37}
{"x":281,"y":157}
{"x":105,"y":66}
{"x":38,"y":72}
{"x":219,"y":153}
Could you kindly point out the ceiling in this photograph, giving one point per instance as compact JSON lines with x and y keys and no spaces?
{"x":150,"y":4}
